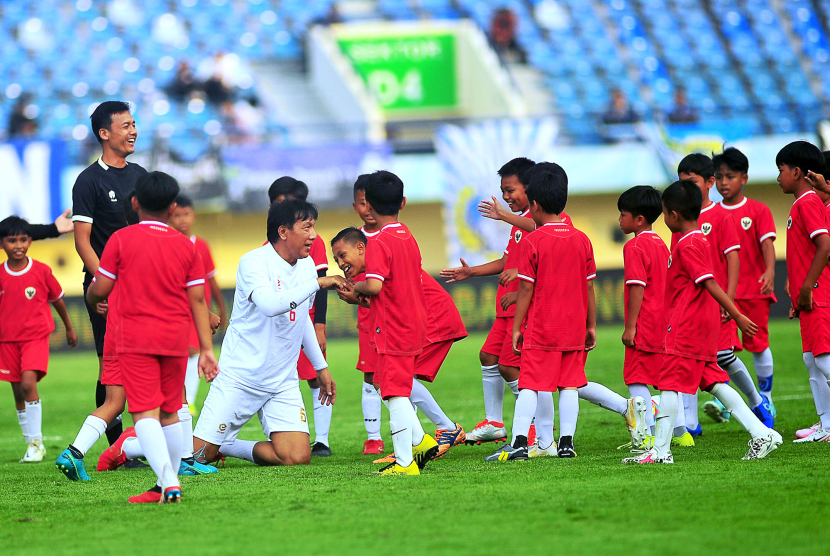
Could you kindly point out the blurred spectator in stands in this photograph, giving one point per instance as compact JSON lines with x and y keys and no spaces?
{"x":331,"y":16}
{"x":503,"y":34}
{"x":183,"y":83}
{"x":682,"y":113}
{"x":619,"y":111}
{"x":23,"y":118}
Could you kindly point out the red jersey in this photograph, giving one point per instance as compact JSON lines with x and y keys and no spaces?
{"x":722,"y":236}
{"x":25,"y":296}
{"x":153,"y":265}
{"x":808,"y":218}
{"x":754,"y":224}
{"x":558,"y":260}
{"x":363,"y":322}
{"x":646,"y":261}
{"x":398,"y":312}
{"x":511,"y":253}
{"x":692,"y":313}
{"x":203,"y":249}
{"x":443,"y":320}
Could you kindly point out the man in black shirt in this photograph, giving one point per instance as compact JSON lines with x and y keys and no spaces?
{"x":62,"y":225}
{"x":101,"y":206}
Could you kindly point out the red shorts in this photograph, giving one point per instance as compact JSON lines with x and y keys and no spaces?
{"x":641,"y":367}
{"x":685,"y":375}
{"x":500,"y":342}
{"x":429,"y":362}
{"x":728,"y":338}
{"x":815,"y":330}
{"x":367,"y":358}
{"x":757,"y":310}
{"x":152,"y":381}
{"x":305,"y":370}
{"x":394,"y":374}
{"x":111,"y":373}
{"x":546,"y":371}
{"x":16,"y":357}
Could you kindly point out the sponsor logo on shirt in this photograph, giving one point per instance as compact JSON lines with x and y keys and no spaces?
{"x":377,"y":330}
{"x":789,"y":222}
{"x":517,"y":237}
{"x":293,"y":305}
{"x":223,"y":427}
{"x":746,"y":222}
{"x":112,"y":196}
{"x":669,"y":261}
{"x":30,"y":292}
{"x":706,"y":228}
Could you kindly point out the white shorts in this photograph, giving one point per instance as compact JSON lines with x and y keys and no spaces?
{"x":230,"y":405}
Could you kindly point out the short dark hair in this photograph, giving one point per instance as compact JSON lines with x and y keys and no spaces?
{"x":101,"y":117}
{"x":801,"y":154}
{"x":549,"y":189}
{"x":684,"y":198}
{"x":288,"y":187}
{"x":360,"y":183}
{"x":288,"y":213}
{"x":14,"y":226}
{"x":184,"y":201}
{"x":156,"y":191}
{"x":539,"y":168}
{"x":384,"y":191}
{"x":516,"y":167}
{"x":826,"y":155}
{"x":350,"y":235}
{"x":696,"y":163}
{"x":733,"y":159}
{"x":641,"y":200}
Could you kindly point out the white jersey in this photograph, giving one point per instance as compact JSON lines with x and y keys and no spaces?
{"x":259,"y":351}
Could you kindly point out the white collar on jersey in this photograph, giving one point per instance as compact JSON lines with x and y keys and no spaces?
{"x":104,"y":165}
{"x":554,"y":224}
{"x":526,"y":212}
{"x":687,"y":235}
{"x":708,"y":208}
{"x":19,"y":272}
{"x":804,"y":195}
{"x":193,"y":239}
{"x":392,"y":225}
{"x":733,"y":207}
{"x":369,"y":234}
{"x":645,"y":232}
{"x":154,"y":223}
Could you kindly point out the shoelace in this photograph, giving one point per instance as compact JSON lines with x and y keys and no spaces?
{"x":483,"y":423}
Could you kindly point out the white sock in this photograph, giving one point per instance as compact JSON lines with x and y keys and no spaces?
{"x":643,"y":391}
{"x":514,"y":387}
{"x":34,"y":416}
{"x":154,"y":447}
{"x":191,"y":379}
{"x":493,"y":385}
{"x":524,"y":412}
{"x":690,"y":411}
{"x":423,"y":400}
{"x":739,"y":376}
{"x":568,"y":412}
{"x":173,"y":439}
{"x":240,"y":449}
{"x":733,"y":401}
{"x":544,"y":420}
{"x":401,"y":419}
{"x":822,"y":363}
{"x":186,"y":423}
{"x":417,"y":428}
{"x":132,"y":448}
{"x":820,"y":389}
{"x":370,"y":402}
{"x":90,"y":432}
{"x":322,"y":418}
{"x":24,"y":423}
{"x":763,"y":370}
{"x":666,"y":418}
{"x":599,"y":395}
{"x":680,"y":419}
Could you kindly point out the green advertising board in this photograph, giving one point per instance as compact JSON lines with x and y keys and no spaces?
{"x":406,"y":72}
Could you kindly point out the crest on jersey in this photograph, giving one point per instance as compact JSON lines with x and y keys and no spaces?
{"x":706,"y":228}
{"x":789,"y":222}
{"x":112,"y":196}
{"x":746,"y":222}
{"x":293,"y":305}
{"x":30,"y":292}
{"x":669,"y":261}
{"x":517,"y":237}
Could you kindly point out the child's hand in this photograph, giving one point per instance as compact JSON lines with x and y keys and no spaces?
{"x":817,"y":181}
{"x":71,"y":338}
{"x":348,"y":294}
{"x":208,"y":366}
{"x":102,"y":308}
{"x":748,"y":327}
{"x":518,"y":339}
{"x":628,"y":336}
{"x":508,"y":275}
{"x":491,"y":209}
{"x":332,"y":282}
{"x":214,"y":320}
{"x":793,"y":313}
{"x":590,"y":339}
{"x":457,"y":274}
{"x":767,"y":282}
{"x":805,"y":299}
{"x":508,"y":299}
{"x":724,"y":316}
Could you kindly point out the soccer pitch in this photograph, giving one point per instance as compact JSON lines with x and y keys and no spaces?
{"x":709,"y":501}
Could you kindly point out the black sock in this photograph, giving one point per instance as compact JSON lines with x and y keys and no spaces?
{"x":114,"y":430}
{"x":155,"y":489}
{"x":100,"y":394}
{"x":520,"y":441}
{"x":566,"y":441}
{"x":76,"y":453}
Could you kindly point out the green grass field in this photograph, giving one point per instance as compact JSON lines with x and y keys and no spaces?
{"x":708,"y":502}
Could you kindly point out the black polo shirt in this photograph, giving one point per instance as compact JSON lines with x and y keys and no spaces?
{"x":101,"y":197}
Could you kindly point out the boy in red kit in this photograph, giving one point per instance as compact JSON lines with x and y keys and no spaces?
{"x":691,"y":304}
{"x":756,"y":231}
{"x":721,"y":231}
{"x":27,"y":287}
{"x":155,"y":266}
{"x":555,"y":321}
{"x":398,"y":314}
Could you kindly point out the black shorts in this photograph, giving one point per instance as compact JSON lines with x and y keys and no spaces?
{"x":98,"y":322}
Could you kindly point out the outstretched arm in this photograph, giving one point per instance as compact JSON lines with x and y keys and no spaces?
{"x":493,"y":209}
{"x":465,"y":271}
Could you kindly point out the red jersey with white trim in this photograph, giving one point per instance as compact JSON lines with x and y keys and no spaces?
{"x":153,"y":265}
{"x":364,"y":324}
{"x":754,"y":224}
{"x":512,"y":253}
{"x":808,"y":219}
{"x":693,"y":315}
{"x":25,"y":296}
{"x":398,"y":312}
{"x":721,"y":233}
{"x":203,"y":249}
{"x":443,"y":319}
{"x":646,"y":261}
{"x":559,"y":261}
